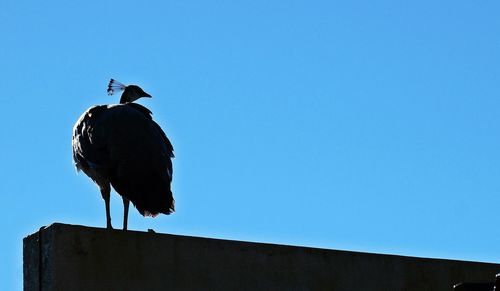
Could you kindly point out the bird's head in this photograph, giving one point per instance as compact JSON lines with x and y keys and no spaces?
{"x":130,"y":92}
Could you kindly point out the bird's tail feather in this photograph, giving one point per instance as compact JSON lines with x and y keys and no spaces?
{"x":152,"y":211}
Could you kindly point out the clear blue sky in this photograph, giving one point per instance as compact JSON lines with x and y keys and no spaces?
{"x":356,"y":125}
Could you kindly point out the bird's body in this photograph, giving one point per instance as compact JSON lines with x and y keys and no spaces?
{"x":121,"y":145}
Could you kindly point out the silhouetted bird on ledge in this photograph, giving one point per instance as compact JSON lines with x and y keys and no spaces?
{"x":121,"y":145}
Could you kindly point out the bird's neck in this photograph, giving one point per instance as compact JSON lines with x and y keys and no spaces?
{"x":122,"y":100}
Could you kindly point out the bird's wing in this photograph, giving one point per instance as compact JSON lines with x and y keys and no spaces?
{"x":89,"y":151}
{"x":169,"y":148}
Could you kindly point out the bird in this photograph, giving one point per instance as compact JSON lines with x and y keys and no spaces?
{"x":120,"y":145}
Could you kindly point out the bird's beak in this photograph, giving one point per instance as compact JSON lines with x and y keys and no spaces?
{"x":147,"y":95}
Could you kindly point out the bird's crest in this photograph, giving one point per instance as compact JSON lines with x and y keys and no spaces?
{"x":115,"y":86}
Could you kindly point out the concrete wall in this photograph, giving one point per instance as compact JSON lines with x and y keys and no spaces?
{"x":70,"y":257}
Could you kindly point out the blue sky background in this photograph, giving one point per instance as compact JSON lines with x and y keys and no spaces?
{"x":358,"y":125}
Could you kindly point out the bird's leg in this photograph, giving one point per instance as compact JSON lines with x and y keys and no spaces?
{"x":105,"y":192}
{"x":126,"y":203}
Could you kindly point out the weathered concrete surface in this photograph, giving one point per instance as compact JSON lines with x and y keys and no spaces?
{"x":70,"y":257}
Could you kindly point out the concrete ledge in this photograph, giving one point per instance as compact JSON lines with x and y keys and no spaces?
{"x":70,"y":257}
